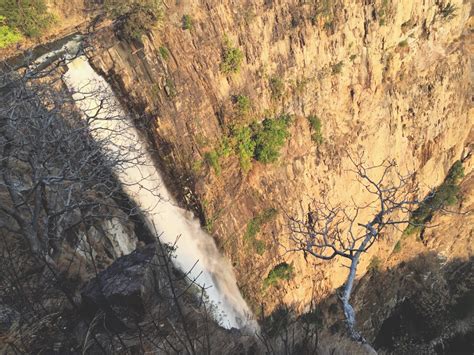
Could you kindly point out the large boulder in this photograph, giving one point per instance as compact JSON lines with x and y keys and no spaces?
{"x":128,"y":283}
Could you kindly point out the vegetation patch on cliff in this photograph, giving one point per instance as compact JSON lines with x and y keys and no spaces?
{"x":447,"y":194}
{"x":232,"y":58}
{"x":269,"y":137}
{"x":8,"y":35}
{"x":316,"y":126}
{"x":260,"y":141}
{"x":135,"y":17}
{"x":253,"y":228}
{"x":282,"y":271}
{"x":29,"y":18}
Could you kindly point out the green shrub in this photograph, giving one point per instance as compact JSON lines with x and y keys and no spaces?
{"x":337,"y":68}
{"x":8,"y":36}
{"x":384,"y":12}
{"x":445,"y":195}
{"x":224,"y":149}
{"x":212,"y":159}
{"x":269,"y":137}
{"x":375,"y":264}
{"x":253,"y":228}
{"x":277,"y":87}
{"x":329,"y":26}
{"x":232,"y":58}
{"x":187,"y":22}
{"x":137,"y":17}
{"x":242,"y":104}
{"x":398,"y":247}
{"x":197,"y":166}
{"x":403,"y":43}
{"x":316,"y":126}
{"x":164,"y":52}
{"x":30,"y":17}
{"x":282,"y":271}
{"x":260,"y":247}
{"x":170,"y":88}
{"x":300,"y":85}
{"x":244,"y":146}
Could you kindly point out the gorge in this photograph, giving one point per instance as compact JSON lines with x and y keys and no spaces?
{"x":245,"y":115}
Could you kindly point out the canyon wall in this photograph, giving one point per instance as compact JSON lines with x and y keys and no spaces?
{"x":389,"y":80}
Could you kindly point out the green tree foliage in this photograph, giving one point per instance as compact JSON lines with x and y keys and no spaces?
{"x":269,"y":137}
{"x":187,"y":22}
{"x":316,"y":126}
{"x":136,"y":17}
{"x":445,"y":195}
{"x":243,"y":104}
{"x":212,"y":159}
{"x":232,"y":58}
{"x":244,"y":146}
{"x":259,"y":141}
{"x":277,"y":87}
{"x":282,"y":271}
{"x":29,"y":17}
{"x":337,"y":68}
{"x":164,"y":52}
{"x":8,"y":35}
{"x":253,"y":228}
{"x":375,"y":264}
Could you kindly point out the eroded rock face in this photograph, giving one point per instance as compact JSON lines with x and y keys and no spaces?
{"x":391,"y":81}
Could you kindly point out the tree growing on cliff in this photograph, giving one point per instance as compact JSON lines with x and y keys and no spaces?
{"x":135,"y":18}
{"x":328,"y":231}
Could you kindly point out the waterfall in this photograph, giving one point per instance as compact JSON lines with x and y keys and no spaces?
{"x":143,"y":184}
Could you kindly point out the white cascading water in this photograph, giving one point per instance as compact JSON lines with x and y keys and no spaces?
{"x":143,"y":183}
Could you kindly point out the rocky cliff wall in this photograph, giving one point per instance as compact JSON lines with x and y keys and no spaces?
{"x":391,"y":80}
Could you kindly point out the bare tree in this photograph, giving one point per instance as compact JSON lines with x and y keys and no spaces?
{"x":57,"y":181}
{"x":55,"y":184}
{"x":329,"y":231}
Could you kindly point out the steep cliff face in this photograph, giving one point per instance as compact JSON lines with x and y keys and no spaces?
{"x":390,"y":80}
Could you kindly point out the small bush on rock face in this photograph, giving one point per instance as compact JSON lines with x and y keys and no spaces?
{"x":315,"y":124}
{"x":337,"y":68}
{"x":270,"y":136}
{"x":253,"y":228}
{"x":164,"y":53}
{"x":243,"y":104}
{"x":212,"y":159}
{"x":403,"y":44}
{"x":277,"y":88}
{"x":232,"y":58}
{"x":282,"y":271}
{"x":245,"y":147}
{"x":187,"y":22}
{"x":444,"y":195}
{"x":136,"y":17}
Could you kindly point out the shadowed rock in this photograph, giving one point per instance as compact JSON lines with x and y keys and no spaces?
{"x":128,"y":282}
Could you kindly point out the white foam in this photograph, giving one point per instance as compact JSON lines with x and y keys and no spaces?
{"x":143,"y":183}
